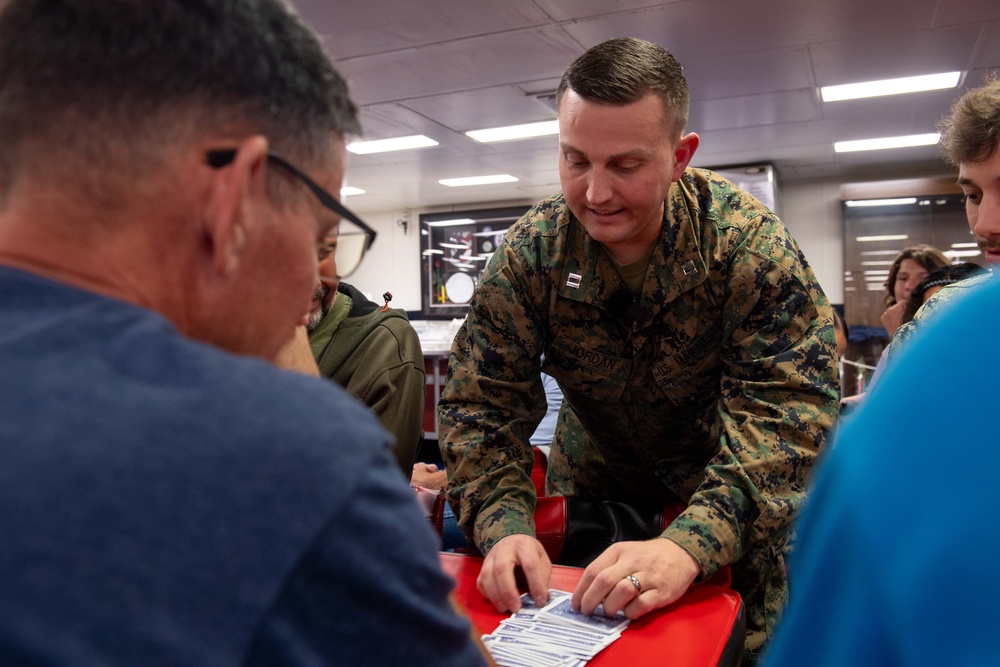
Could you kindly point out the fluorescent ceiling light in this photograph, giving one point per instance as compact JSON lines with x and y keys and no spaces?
{"x":909,"y":84}
{"x":855,"y":203}
{"x":888,"y":237}
{"x":451,"y":223}
{"x":348,"y":190}
{"x":477,"y":180}
{"x":964,"y":245}
{"x":886,"y":142}
{"x":457,"y":246}
{"x":961,"y":253}
{"x":881,"y":262}
{"x":875,"y":272}
{"x":432,"y":251}
{"x":512,"y":132}
{"x":386,"y":145}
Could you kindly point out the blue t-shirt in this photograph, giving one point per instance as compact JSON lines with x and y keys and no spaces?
{"x":165,"y":503}
{"x":894,"y":561}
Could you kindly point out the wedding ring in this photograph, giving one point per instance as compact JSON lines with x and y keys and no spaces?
{"x":635,"y":582}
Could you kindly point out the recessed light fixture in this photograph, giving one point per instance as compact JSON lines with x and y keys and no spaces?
{"x":887,"y":237}
{"x":909,"y":84}
{"x":386,"y":145}
{"x":349,"y":190}
{"x":512,"y":132}
{"x":477,"y":180}
{"x":961,"y":253}
{"x":855,"y":203}
{"x":964,"y":245}
{"x":451,"y":223}
{"x":886,"y":142}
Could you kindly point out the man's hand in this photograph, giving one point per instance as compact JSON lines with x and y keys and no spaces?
{"x":663,"y":569}
{"x":428,"y":476}
{"x":892,"y":317}
{"x":497,"y":578}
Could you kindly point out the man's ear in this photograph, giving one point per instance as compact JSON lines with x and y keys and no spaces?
{"x":683,"y":153}
{"x":229,"y":211}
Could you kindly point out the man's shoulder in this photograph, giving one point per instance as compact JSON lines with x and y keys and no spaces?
{"x":719,"y":199}
{"x":943,"y":300}
{"x":392,"y":332}
{"x":542,"y":220}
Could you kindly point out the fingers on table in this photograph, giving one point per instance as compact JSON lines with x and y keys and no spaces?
{"x":498,"y":580}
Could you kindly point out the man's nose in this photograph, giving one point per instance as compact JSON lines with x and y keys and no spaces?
{"x":987,"y":223}
{"x":598,"y":187}
{"x":327,"y":267}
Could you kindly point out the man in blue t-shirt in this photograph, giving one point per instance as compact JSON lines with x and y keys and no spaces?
{"x":168,"y":496}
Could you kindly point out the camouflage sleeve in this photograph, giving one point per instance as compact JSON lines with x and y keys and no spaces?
{"x":938,"y":302}
{"x":492,"y":401}
{"x":779,"y":397}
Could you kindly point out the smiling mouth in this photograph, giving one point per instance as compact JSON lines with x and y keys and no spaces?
{"x":606,"y":214}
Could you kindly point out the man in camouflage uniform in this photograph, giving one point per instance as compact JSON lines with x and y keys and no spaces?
{"x":970,"y":135}
{"x":688,"y":334}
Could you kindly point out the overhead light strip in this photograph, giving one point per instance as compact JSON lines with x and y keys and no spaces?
{"x":858,"y":203}
{"x":387,"y":145}
{"x":909,"y":84}
{"x":478,"y":180}
{"x":887,"y":237}
{"x":886,"y":142}
{"x":513,"y":132}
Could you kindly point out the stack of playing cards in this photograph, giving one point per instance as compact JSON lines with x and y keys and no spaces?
{"x":553,"y":636}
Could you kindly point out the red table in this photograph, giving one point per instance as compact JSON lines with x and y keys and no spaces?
{"x":705,"y":627}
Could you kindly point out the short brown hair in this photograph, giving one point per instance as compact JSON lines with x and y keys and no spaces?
{"x":971,"y":130}
{"x":925,"y":255}
{"x":623,"y":70}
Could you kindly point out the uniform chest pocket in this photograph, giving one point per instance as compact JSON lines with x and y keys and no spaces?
{"x":587,"y":373}
{"x":692,"y":377}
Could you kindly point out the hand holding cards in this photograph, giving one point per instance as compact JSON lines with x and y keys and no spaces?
{"x":553,"y":636}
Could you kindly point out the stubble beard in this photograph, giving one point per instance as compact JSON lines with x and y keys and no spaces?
{"x":316,"y":316}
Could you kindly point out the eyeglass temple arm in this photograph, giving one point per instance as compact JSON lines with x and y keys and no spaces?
{"x":221,"y":158}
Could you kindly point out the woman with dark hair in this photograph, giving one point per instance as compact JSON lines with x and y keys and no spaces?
{"x":910,"y":267}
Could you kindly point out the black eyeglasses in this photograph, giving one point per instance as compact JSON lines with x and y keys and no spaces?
{"x":349,"y":245}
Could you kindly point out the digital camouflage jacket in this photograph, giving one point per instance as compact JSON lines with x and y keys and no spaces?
{"x":944,"y":298}
{"x":716,"y":385}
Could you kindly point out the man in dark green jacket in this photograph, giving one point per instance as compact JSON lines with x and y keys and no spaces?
{"x":374,"y":353}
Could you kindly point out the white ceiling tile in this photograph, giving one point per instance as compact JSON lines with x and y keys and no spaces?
{"x":352,"y":28}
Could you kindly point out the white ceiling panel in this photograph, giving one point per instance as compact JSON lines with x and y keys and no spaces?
{"x":352,"y":28}
{"x":752,"y":110}
{"x":471,"y":63}
{"x":748,"y":74}
{"x":894,"y":55}
{"x":482,"y":108}
{"x":560,"y":10}
{"x":698,"y":29}
{"x":446,"y":67}
{"x":988,"y":49}
{"x":955,"y":12}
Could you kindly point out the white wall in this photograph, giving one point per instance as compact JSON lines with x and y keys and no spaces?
{"x":393,"y":263}
{"x":810,"y":210}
